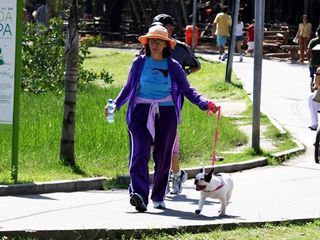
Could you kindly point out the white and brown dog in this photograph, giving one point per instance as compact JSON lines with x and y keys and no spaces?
{"x":218,"y":186}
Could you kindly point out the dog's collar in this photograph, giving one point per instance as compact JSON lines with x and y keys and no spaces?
{"x":216,"y":189}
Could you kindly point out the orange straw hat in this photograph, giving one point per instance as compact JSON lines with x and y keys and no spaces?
{"x":157,"y":32}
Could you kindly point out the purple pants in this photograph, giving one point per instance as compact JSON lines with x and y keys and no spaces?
{"x":140,"y":142}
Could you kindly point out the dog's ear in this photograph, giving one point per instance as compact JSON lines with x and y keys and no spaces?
{"x":211,"y":171}
{"x":208,"y":176}
{"x":203,"y":170}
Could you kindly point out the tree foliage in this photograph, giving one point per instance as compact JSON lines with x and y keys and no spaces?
{"x":43,"y":58}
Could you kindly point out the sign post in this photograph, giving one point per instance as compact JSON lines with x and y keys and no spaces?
{"x":257,"y":72}
{"x":10,"y":71}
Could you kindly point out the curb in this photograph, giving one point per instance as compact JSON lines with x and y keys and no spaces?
{"x":55,"y":186}
{"x":139,"y":233}
{"x":234,"y":167}
{"x":282,"y":156}
{"x":228,"y":168}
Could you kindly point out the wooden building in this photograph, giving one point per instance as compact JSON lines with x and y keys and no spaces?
{"x":120,"y":18}
{"x":134,"y":16}
{"x":285,"y":11}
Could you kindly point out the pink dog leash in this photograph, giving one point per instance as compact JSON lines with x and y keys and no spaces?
{"x":216,"y":136}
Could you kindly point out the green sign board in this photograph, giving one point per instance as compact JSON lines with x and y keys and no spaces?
{"x":10,"y":67}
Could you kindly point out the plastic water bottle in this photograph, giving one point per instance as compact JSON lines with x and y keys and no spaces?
{"x":111,"y":107}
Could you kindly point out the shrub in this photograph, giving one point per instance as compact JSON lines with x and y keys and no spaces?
{"x":43,"y":58}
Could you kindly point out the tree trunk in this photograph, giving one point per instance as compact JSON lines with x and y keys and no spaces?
{"x":68,"y":125}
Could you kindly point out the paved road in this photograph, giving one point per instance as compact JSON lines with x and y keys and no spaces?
{"x":284,"y":90}
{"x":263,"y":194}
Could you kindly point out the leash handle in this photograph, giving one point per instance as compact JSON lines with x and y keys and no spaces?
{"x":216,"y":136}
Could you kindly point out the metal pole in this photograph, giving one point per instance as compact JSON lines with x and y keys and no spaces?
{"x":16,"y":103}
{"x":235,"y":16}
{"x":257,"y":73}
{"x":194,"y":15}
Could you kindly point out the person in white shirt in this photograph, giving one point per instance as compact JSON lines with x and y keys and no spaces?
{"x":314,"y":104}
{"x":239,"y":38}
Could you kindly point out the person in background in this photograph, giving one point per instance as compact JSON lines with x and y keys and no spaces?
{"x":314,"y":106}
{"x":154,"y":87}
{"x":184,"y":55}
{"x":250,"y":36}
{"x":303,"y":35}
{"x":313,"y":54}
{"x":221,"y":29}
{"x":41,"y":13}
{"x":239,"y":38}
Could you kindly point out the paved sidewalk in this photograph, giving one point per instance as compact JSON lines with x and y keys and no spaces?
{"x":288,"y":192}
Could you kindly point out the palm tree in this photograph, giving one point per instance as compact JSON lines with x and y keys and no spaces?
{"x":68,"y":125}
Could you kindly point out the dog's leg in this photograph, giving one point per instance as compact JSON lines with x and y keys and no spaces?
{"x":229,"y":192}
{"x":229,"y":196}
{"x":224,"y":203}
{"x":200,"y":206}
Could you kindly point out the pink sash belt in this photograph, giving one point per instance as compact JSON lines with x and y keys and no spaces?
{"x":153,"y":110}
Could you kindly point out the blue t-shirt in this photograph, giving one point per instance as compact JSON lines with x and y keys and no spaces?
{"x":155,"y":81}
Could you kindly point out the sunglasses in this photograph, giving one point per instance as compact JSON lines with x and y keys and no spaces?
{"x":155,"y":41}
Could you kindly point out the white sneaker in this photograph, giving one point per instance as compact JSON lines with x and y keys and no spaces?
{"x":159,"y":205}
{"x":177,"y":182}
{"x":224,"y":57}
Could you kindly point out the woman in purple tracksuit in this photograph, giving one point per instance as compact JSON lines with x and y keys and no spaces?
{"x":153,"y":88}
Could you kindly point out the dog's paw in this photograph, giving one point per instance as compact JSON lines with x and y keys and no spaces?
{"x":197,"y":211}
{"x":222,"y":214}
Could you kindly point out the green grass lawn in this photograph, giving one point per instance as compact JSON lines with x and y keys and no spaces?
{"x":102,"y":149}
{"x":284,"y":231}
{"x":308,"y":231}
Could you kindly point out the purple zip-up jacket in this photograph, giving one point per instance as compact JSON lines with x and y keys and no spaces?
{"x":179,"y":82}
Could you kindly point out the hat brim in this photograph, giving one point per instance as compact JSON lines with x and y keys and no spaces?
{"x":144,"y":39}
